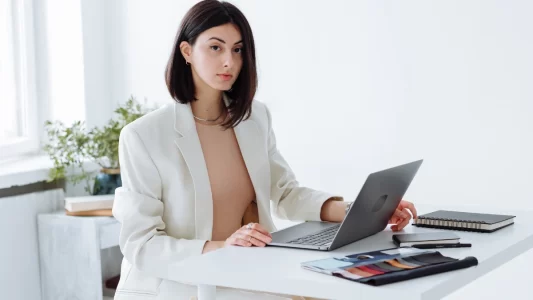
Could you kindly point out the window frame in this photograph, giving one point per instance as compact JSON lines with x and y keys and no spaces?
{"x":25,"y":82}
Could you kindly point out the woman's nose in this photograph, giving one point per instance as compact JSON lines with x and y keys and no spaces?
{"x":228,"y":60}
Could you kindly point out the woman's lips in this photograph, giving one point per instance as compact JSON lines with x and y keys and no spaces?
{"x":225,"y":77}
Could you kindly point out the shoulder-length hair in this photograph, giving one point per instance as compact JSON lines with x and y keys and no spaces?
{"x":202,"y":16}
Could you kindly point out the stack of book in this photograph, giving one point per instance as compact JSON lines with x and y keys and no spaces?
{"x":100,"y":205}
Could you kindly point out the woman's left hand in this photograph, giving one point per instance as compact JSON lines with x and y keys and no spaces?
{"x":403,"y":214}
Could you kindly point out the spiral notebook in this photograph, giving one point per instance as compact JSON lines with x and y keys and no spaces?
{"x":456,"y":220}
{"x":388,"y":266}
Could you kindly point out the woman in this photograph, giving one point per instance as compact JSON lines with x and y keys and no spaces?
{"x":195,"y":172}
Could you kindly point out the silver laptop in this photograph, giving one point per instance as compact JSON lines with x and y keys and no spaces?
{"x":368,"y":215}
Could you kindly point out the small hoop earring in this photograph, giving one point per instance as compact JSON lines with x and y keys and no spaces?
{"x":187,"y":63}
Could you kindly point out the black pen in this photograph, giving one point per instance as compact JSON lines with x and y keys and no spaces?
{"x":434,"y":246}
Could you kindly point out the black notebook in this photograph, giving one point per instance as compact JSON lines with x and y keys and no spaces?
{"x":457,"y":220}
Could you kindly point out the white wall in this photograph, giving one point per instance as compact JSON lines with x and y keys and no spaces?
{"x":58,"y":30}
{"x":143,"y":34}
{"x":97,"y":60}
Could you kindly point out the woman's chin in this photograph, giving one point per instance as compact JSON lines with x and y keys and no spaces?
{"x":221,"y":87}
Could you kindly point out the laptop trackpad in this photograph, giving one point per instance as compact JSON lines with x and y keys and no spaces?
{"x":300,"y":230}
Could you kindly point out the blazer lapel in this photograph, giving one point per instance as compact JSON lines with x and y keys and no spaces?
{"x":253,"y":149}
{"x":255,"y":155}
{"x":189,"y":144}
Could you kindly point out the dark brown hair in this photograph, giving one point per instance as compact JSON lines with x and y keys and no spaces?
{"x":202,"y":16}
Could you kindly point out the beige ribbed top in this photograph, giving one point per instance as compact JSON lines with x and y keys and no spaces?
{"x":231,"y":186}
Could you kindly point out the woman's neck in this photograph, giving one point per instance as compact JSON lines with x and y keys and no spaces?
{"x":209,"y":105}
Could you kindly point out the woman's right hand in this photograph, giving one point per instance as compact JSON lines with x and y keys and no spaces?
{"x":249,"y":235}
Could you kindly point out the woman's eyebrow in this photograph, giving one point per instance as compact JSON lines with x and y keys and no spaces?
{"x":222,"y":41}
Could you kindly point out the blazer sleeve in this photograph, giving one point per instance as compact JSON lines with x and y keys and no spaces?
{"x":290,"y":200}
{"x":139,"y":208}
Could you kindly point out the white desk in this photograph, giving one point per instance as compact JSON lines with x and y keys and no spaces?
{"x":277,"y":270}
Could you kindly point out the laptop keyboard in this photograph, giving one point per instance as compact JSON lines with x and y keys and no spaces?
{"x":320,"y":238}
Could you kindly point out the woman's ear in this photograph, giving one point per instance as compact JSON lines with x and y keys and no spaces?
{"x":186,"y":49}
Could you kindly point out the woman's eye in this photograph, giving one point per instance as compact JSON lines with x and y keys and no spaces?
{"x":238,"y":50}
{"x":216,"y":48}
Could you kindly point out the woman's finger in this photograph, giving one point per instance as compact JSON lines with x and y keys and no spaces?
{"x":394,"y":220}
{"x":250,"y":239}
{"x":404,"y":222}
{"x":261,"y":229}
{"x":407,"y":213}
{"x":400,"y":226}
{"x":412,"y":209}
{"x":239,"y":242}
{"x":397,"y":216}
{"x":259,"y":236}
{"x":400,"y":214}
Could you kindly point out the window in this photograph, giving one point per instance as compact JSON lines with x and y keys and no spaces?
{"x":18,"y":111}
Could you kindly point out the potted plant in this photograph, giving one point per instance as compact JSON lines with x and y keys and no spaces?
{"x":70,"y":147}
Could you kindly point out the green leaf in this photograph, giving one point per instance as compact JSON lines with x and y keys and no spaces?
{"x":71,"y":146}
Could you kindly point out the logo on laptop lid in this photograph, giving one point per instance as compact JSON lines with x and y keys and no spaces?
{"x":379,"y":203}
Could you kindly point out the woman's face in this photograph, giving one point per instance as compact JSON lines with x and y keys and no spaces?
{"x":216,"y":57}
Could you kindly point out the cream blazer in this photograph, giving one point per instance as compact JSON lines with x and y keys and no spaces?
{"x":165,"y":203}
